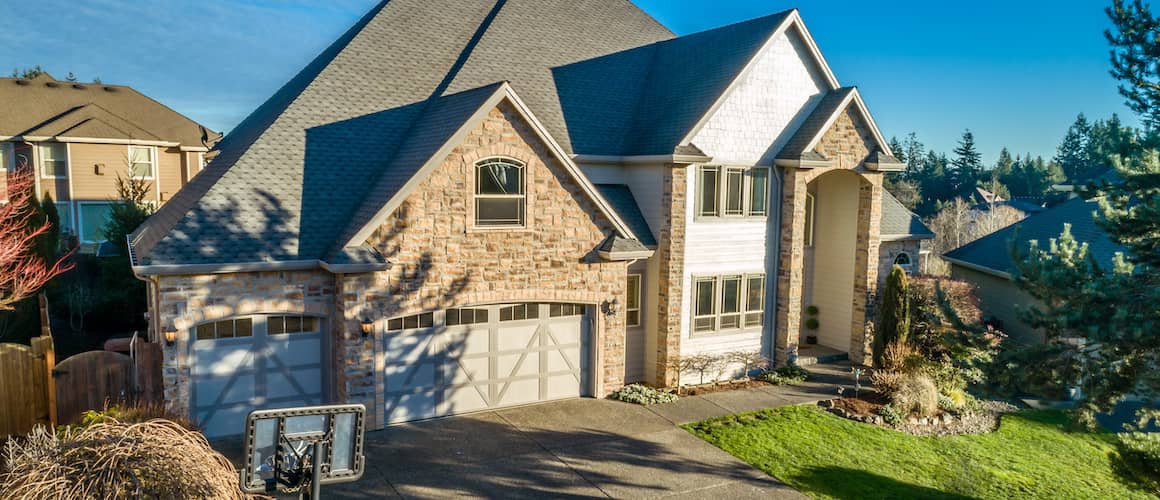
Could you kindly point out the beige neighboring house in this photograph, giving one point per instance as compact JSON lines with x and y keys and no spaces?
{"x":79,"y":137}
{"x":461,"y":206}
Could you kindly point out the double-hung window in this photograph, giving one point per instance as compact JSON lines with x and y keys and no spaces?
{"x":5,"y":160}
{"x":93,"y":216}
{"x":732,"y":191}
{"x":728,"y":302}
{"x":53,"y":159}
{"x":500,"y":196}
{"x":632,"y":306}
{"x":142,"y":162}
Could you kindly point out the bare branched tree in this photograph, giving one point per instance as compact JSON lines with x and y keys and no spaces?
{"x":22,"y":271}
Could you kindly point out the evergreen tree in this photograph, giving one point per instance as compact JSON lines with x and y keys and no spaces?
{"x":1005,"y":165}
{"x":122,"y":290}
{"x":1135,"y":50}
{"x":915,"y":153}
{"x":897,"y":149}
{"x":1112,"y":138}
{"x":49,"y":244}
{"x":967,"y":166}
{"x":1074,"y":153}
{"x":894,"y":319}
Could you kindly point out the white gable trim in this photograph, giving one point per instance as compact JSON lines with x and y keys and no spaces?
{"x":794,"y":19}
{"x":504,"y":92}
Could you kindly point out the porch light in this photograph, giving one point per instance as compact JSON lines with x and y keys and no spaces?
{"x":367,"y":326}
{"x":612,"y":307}
{"x":170,"y":337}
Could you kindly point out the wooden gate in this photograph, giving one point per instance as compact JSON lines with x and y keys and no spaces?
{"x":25,"y":386}
{"x":89,"y":381}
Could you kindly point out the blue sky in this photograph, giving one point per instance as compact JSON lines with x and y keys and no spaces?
{"x":1015,"y":72}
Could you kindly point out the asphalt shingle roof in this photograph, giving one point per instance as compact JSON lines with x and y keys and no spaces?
{"x":622,"y":201}
{"x":799,"y":144}
{"x":43,"y":106}
{"x":897,"y":220}
{"x":994,"y":250}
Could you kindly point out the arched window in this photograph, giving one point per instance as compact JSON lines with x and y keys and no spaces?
{"x":903,"y":260}
{"x":500,"y":197}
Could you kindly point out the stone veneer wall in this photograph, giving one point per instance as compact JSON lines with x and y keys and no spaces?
{"x":187,"y":301}
{"x":889,"y":250}
{"x":439,"y":260}
{"x":848,"y":142}
{"x":671,"y":252}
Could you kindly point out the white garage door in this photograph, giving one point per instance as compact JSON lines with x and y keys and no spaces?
{"x":463,"y":360}
{"x":260,"y":362}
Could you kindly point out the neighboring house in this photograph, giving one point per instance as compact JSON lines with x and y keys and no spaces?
{"x":1026,"y":205}
{"x":79,"y":137}
{"x":904,"y":239}
{"x":469,"y":205}
{"x":988,"y":263}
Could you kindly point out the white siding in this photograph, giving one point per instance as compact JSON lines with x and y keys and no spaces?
{"x":647,"y":186}
{"x":604,"y":174}
{"x":764,"y":108}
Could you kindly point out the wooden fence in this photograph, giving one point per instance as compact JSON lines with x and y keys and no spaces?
{"x":34,"y":390}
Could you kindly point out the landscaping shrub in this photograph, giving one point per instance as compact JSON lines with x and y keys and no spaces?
{"x":787,"y":375}
{"x":894,"y":315}
{"x":916,"y":395}
{"x":890,"y":415}
{"x":643,"y":395}
{"x":1140,"y":453}
{"x":111,"y":459}
{"x":945,"y":403}
{"x":135,"y":414}
{"x":947,"y":330}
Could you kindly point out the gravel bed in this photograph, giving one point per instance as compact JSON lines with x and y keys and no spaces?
{"x":984,"y":421}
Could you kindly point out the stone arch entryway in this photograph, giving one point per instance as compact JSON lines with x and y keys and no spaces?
{"x":828,"y":259}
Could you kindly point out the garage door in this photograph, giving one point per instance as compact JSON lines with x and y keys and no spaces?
{"x":462,"y":360}
{"x":259,"y":362}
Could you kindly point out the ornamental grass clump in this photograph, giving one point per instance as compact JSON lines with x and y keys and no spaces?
{"x":917,"y":396}
{"x":111,"y":459}
{"x":643,"y":395}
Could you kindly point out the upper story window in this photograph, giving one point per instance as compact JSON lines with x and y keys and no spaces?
{"x":53,"y":159}
{"x":500,"y":195}
{"x":732,"y":192}
{"x":142,"y":162}
{"x":5,"y":152}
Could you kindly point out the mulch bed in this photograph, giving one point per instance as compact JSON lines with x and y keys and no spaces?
{"x":868,"y":403}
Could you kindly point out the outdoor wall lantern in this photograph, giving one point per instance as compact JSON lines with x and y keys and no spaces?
{"x":170,"y":337}
{"x":368,"y":327}
{"x":611,"y":307}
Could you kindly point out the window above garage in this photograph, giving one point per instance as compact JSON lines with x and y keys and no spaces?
{"x":500,"y":193}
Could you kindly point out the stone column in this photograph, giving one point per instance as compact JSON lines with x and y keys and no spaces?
{"x":791,"y":264}
{"x":671,"y":275}
{"x":866,"y":264}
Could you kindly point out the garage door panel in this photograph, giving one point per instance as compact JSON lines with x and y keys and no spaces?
{"x":224,"y":421}
{"x":408,"y":377}
{"x":301,"y":351}
{"x":520,"y":391}
{"x":404,"y":407}
{"x":563,"y":386}
{"x":566,"y":333}
{"x":301,"y":383}
{"x":465,"y":397}
{"x":407,"y":348}
{"x":516,"y":336}
{"x":467,"y":341}
{"x":567,"y":359}
{"x":223,"y":361}
{"x":466,"y":370}
{"x":515,"y":365}
{"x":237,"y":389}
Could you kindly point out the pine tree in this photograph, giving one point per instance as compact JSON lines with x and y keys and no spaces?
{"x":894,"y":319}
{"x":897,"y":149}
{"x":1074,"y":153}
{"x":915,"y":152}
{"x":1135,"y":49}
{"x":967,"y":165}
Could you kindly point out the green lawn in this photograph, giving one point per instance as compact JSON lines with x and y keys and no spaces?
{"x":824,"y":456}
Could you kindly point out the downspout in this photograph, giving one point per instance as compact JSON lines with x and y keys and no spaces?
{"x":152,"y":289}
{"x":773,"y":257}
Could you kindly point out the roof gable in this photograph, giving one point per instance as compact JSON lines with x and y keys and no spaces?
{"x":444,"y":126}
{"x":804,"y":143}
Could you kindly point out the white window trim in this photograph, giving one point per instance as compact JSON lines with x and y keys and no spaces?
{"x":718,"y":302}
{"x":811,"y":219}
{"x":152,"y":162}
{"x":67,"y":160}
{"x":475,"y":196}
{"x":81,"y":223}
{"x":8,"y":152}
{"x":627,"y":309}
{"x":723,"y":190}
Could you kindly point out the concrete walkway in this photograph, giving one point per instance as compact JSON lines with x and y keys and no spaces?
{"x":582,"y":448}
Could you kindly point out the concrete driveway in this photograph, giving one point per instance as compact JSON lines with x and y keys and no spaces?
{"x":575,"y":448}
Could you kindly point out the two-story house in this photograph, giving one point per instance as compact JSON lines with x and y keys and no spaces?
{"x":461,"y":206}
{"x":78,"y":138}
